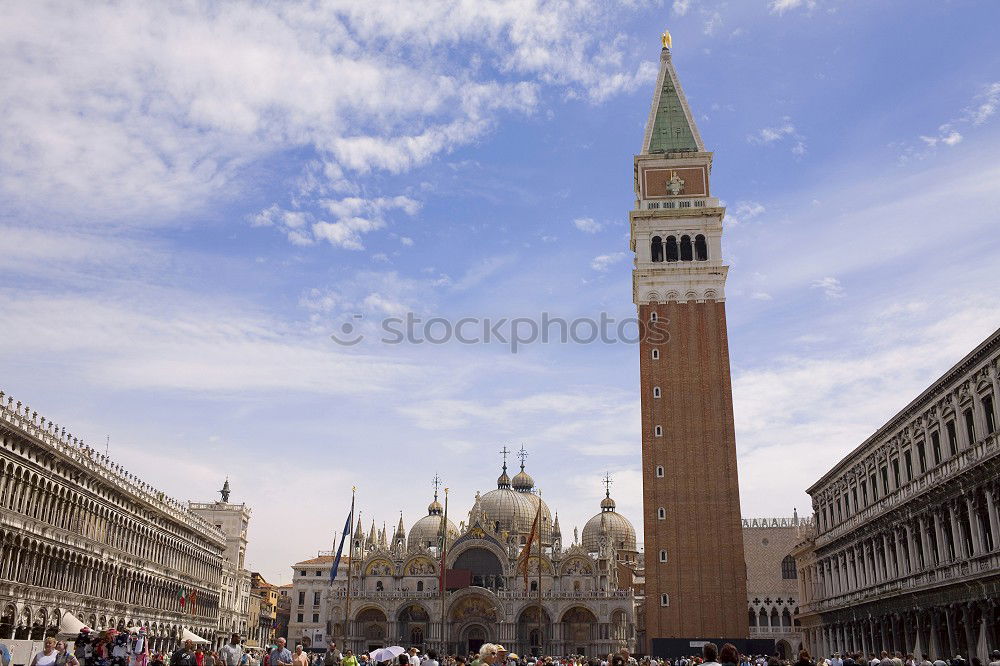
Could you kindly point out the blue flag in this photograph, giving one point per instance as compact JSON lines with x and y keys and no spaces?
{"x":345,"y":537}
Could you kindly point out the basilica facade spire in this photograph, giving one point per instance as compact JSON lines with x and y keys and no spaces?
{"x":695,"y":570}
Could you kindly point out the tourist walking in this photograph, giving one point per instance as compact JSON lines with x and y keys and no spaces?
{"x":280,"y":655}
{"x":332,"y":656}
{"x":804,"y":659}
{"x":300,"y":658}
{"x":47,"y":657}
{"x":63,"y":656}
{"x":184,"y":655}
{"x":231,"y":653}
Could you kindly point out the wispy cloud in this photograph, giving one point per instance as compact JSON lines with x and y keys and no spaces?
{"x":587,"y":225}
{"x":782,"y":6}
{"x":172,"y":103}
{"x":984,"y":106}
{"x":831,"y":287}
{"x":604,"y":261}
{"x":779,"y":133}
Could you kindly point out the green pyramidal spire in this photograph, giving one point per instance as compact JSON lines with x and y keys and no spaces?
{"x":670,"y":128}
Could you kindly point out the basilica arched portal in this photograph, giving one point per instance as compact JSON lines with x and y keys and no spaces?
{"x":475,"y":618}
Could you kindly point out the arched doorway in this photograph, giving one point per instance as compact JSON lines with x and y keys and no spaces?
{"x":373,"y":625}
{"x":532,"y":635}
{"x":475,"y":619}
{"x":7,"y":621}
{"x":784,"y":649}
{"x":473,"y":637}
{"x":579,"y":627}
{"x":414,"y":624}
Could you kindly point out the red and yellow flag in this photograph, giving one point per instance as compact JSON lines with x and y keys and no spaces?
{"x":525,"y":556}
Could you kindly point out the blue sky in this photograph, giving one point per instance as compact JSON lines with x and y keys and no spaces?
{"x":195,"y":197}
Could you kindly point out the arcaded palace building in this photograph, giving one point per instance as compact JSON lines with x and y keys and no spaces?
{"x":587,"y":601}
{"x":83,"y":539}
{"x":694,"y":587}
{"x":905,"y":554}
{"x":80,"y":534}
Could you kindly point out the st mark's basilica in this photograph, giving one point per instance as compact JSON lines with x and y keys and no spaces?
{"x":586,"y":598}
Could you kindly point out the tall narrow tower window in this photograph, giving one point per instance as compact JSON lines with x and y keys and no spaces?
{"x":663,"y":556}
{"x":659,"y":471}
{"x":652,"y":316}
{"x":655,"y":354}
{"x":656,"y":391}
{"x":661,"y":514}
{"x":686,"y":254}
{"x":656,"y":249}
{"x":671,"y":248}
{"x":700,"y":248}
{"x":658,"y":431}
{"x":664,"y":599}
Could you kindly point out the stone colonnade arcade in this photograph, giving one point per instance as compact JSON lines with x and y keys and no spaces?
{"x":78,"y":533}
{"x":906,"y":552}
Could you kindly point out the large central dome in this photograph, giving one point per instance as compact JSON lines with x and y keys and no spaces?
{"x":513,"y":511}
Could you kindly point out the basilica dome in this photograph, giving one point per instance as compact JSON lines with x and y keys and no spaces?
{"x":620,"y":530}
{"x":506,"y":509}
{"x":426,"y":532}
{"x":524,"y":484}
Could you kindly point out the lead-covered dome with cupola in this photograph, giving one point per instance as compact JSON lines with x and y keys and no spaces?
{"x":505,"y":509}
{"x":426,"y":532}
{"x":617,"y":527}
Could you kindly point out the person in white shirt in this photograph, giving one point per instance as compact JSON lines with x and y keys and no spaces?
{"x":47,"y":657}
{"x":414,"y":657}
{"x":836,"y":660}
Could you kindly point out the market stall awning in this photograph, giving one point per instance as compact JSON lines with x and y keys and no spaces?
{"x":70,"y":625}
{"x":188,"y":635}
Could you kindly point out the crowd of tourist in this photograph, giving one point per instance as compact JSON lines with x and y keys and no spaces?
{"x":112,"y":648}
{"x":492,"y":654}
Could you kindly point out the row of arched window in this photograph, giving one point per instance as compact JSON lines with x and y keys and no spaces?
{"x":65,"y":504}
{"x":685,"y":250}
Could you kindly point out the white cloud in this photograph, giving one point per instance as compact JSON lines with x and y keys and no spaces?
{"x":761,"y":296}
{"x":587,"y":225}
{"x":769,"y":135}
{"x":712,"y":22}
{"x":982,"y":112}
{"x":142,"y":112}
{"x":782,"y":6}
{"x":604,"y":261}
{"x":680,"y":7}
{"x":983,"y":108}
{"x":830,"y":285}
{"x":355,"y":216}
{"x":743,"y":211}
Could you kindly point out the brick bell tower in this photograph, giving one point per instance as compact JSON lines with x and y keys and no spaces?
{"x":696,"y":586}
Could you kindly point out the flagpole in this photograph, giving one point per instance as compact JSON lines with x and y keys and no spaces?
{"x":443,"y":572}
{"x":350,"y":567}
{"x":541,"y":640}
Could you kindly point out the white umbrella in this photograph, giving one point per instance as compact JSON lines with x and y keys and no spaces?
{"x":386,"y":653}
